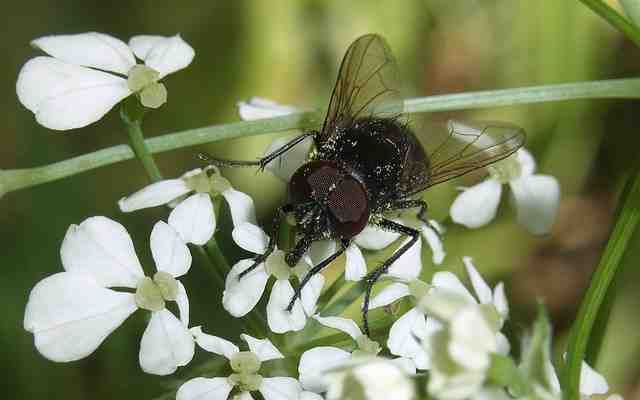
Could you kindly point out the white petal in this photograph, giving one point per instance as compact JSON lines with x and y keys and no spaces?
{"x":389,"y":294}
{"x":477,"y":205}
{"x":312,"y":396}
{"x":591,"y":382}
{"x":64,"y":96}
{"x":284,"y":166}
{"x":183,"y":304}
{"x":69,"y":315}
{"x":311,"y":292}
{"x":241,"y":206}
{"x":102,"y":248}
{"x":405,"y":364}
{"x":258,"y":108}
{"x":345,"y":325}
{"x":164,"y":54}
{"x":403,"y":335}
{"x":409,"y":265}
{"x":280,"y":388}
{"x":214,"y":344}
{"x":169,"y":251}
{"x":243,"y":396}
{"x":205,"y":389}
{"x":250,"y":237}
{"x":279,"y":319}
{"x":483,"y":291}
{"x":502,"y":343}
{"x":373,"y":237}
{"x":537,"y":199}
{"x":434,"y":242}
{"x":154,"y":195}
{"x":447,"y":280}
{"x":91,"y":49}
{"x":500,"y":301}
{"x":262,"y":348}
{"x":194,"y":219}
{"x":472,"y":339}
{"x":166,"y":344}
{"x":356,"y":266}
{"x":320,"y":251}
{"x":527,"y":162}
{"x":241,"y":295}
{"x":315,"y":362}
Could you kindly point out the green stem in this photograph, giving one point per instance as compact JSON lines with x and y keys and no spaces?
{"x":16,"y":179}
{"x":139,"y":146}
{"x":626,"y":221}
{"x":614,"y":18}
{"x":338,"y":305}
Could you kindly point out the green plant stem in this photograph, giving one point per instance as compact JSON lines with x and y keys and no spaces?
{"x":16,"y":179}
{"x":139,"y":146}
{"x":614,"y":18}
{"x":626,"y":221}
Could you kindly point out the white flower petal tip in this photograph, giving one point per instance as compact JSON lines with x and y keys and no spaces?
{"x":205,"y":389}
{"x":241,"y":295}
{"x":285,"y":166}
{"x":91,"y":49}
{"x":280,"y":388}
{"x":591,"y":382}
{"x":64,"y":96}
{"x":477,"y":206}
{"x":345,"y":325}
{"x":262,"y":348}
{"x":389,"y":294}
{"x":405,"y":337}
{"x":166,"y":344}
{"x":241,"y":206}
{"x":250,"y":237}
{"x":482,"y":289}
{"x":103,"y":249}
{"x":537,"y":198}
{"x":279,"y":319}
{"x":156,"y":194}
{"x":259,"y":108}
{"x":315,"y":362}
{"x":169,"y":251}
{"x":356,"y":266}
{"x":70,"y":315}
{"x":432,"y":236}
{"x":214,"y":344}
{"x":409,"y":264}
{"x":194,"y":219}
{"x":375,"y":238}
{"x":164,"y":54}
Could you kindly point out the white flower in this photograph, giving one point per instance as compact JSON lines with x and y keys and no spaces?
{"x":242,"y":294}
{"x":370,"y":378}
{"x":193,"y":217}
{"x":259,"y":108}
{"x":316,"y":362}
{"x":591,"y":382}
{"x":536,"y":196}
{"x":70,"y":313}
{"x":89,"y":73}
{"x":245,"y":366}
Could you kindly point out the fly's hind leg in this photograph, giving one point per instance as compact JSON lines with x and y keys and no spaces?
{"x":260,"y":163}
{"x":273,"y":239}
{"x":375,"y":275}
{"x":422,"y":207}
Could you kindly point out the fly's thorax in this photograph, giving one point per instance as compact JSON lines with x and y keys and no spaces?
{"x":327,"y":196}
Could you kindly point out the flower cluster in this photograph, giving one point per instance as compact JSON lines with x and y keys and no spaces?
{"x":448,"y":342}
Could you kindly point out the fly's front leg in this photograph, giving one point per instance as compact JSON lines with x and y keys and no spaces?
{"x":375,"y":275}
{"x":273,"y":239}
{"x":316,"y":270}
{"x":261,"y":163}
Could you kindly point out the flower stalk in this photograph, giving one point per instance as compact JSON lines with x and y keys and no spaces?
{"x":627,"y":218}
{"x":17,"y":179}
{"x":131,"y":114}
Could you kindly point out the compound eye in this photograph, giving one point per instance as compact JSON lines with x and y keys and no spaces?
{"x":349,"y":207}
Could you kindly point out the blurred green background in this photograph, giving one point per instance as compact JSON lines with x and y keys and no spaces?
{"x":289,"y":51}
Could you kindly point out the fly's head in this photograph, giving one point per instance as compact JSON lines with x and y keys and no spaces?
{"x":328,"y":201}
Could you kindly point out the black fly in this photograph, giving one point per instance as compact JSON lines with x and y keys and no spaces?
{"x":368,"y":162}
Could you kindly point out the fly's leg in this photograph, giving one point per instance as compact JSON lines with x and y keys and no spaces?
{"x":316,"y":270}
{"x":261,"y":163}
{"x":422,"y":211}
{"x":273,"y":239}
{"x":375,"y":275}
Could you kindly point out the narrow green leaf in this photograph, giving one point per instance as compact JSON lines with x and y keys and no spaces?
{"x":632,"y":9}
{"x":614,"y":18}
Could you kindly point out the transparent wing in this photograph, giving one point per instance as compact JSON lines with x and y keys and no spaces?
{"x":367,"y":85}
{"x":460,"y":147}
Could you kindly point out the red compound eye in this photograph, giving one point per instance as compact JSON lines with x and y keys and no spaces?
{"x":349,"y":206}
